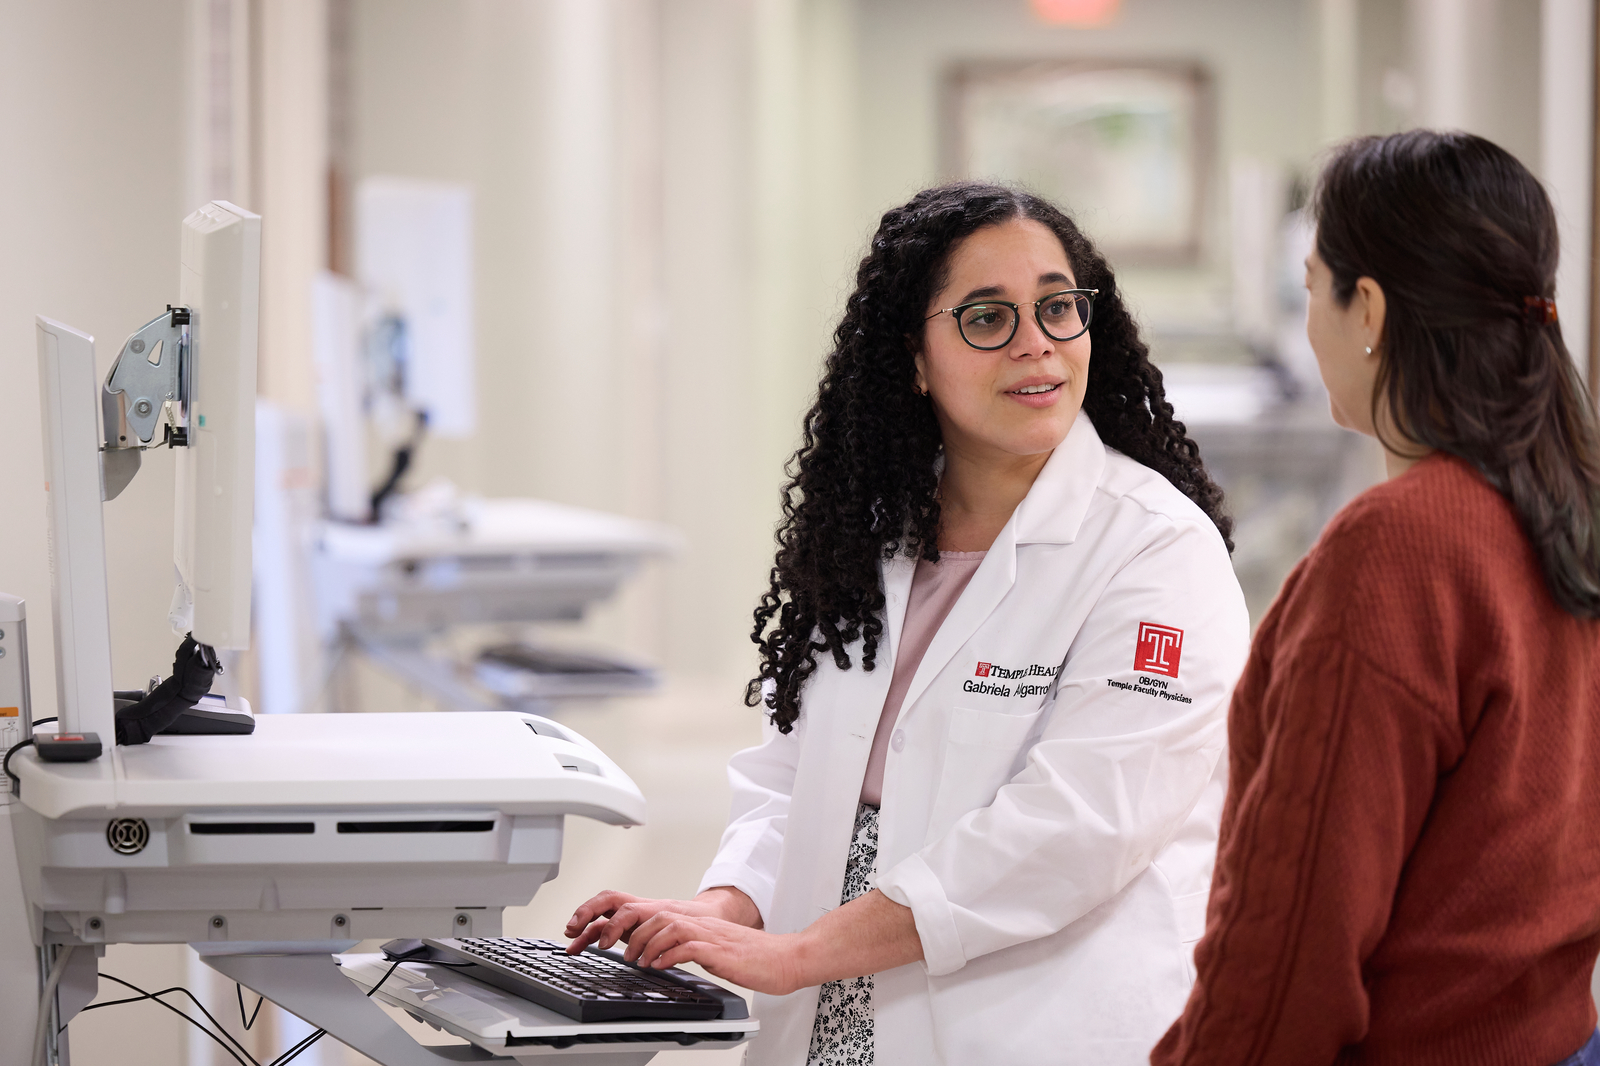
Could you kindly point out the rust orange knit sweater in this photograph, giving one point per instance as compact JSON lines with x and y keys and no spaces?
{"x":1409,"y":869}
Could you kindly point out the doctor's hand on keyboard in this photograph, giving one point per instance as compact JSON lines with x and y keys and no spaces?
{"x":612,"y":916}
{"x":721,"y":930}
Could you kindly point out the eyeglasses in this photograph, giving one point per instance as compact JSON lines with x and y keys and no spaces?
{"x":989,"y":325}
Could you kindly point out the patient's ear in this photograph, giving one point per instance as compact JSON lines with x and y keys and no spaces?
{"x":1374,"y":307}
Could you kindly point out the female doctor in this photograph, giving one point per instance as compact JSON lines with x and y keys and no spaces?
{"x":995,"y":654}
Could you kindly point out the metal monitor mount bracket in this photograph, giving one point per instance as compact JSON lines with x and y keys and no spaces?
{"x":151,"y":384}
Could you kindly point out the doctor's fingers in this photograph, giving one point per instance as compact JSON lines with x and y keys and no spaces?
{"x":623,"y":925}
{"x":752,"y":959}
{"x":662,"y":933}
{"x":589,"y":935}
{"x":605,"y":903}
{"x":670,"y":930}
{"x":664,"y":929}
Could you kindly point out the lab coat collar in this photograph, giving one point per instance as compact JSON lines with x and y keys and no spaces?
{"x":1051,"y":513}
{"x":1053,"y":510}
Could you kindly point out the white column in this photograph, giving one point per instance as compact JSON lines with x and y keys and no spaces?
{"x":217,"y":102}
{"x":1567,"y":130}
{"x":576,"y":293}
{"x":1340,"y":68}
{"x":292,"y":198}
{"x":1442,"y":33}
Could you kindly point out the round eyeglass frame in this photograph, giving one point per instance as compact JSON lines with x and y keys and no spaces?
{"x":1016,"y":317}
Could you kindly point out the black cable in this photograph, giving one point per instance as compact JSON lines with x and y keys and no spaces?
{"x":402,"y":463}
{"x":201,"y":1006}
{"x":16,"y":782}
{"x":248,"y":1060}
{"x":238,"y":990}
{"x":387,"y":974}
{"x":293,"y":1053}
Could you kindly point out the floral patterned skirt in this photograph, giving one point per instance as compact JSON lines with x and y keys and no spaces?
{"x":842,"y":1033}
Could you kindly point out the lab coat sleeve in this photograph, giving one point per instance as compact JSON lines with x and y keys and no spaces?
{"x":762,"y":779}
{"x":1117,"y":769}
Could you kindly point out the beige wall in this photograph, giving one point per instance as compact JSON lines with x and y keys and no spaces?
{"x":90,"y":200}
{"x":91,"y":193}
{"x":1263,"y":55}
{"x":629,"y":356}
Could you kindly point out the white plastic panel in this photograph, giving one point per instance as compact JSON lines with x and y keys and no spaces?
{"x":287,"y":649}
{"x":15,"y":713}
{"x":215,"y":493}
{"x":336,"y":353}
{"x":69,"y":394}
{"x":314,"y":771}
{"x":412,"y":759}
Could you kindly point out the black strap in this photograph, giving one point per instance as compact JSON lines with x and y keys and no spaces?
{"x":193,"y":669}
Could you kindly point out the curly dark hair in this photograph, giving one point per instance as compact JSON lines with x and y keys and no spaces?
{"x":863,"y":485}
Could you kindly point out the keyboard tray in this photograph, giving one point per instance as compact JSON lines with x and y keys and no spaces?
{"x":506,"y":1024}
{"x":592,"y":986}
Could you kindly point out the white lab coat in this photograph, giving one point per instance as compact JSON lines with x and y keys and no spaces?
{"x":1053,"y":836}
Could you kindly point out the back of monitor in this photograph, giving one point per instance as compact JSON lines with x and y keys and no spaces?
{"x":77,"y":549}
{"x":220,"y":284}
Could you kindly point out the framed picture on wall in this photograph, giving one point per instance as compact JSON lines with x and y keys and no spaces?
{"x":1123,"y":146}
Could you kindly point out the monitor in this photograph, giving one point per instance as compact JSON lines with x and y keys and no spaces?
{"x":80,"y":615}
{"x":414,"y":258}
{"x":220,"y":283}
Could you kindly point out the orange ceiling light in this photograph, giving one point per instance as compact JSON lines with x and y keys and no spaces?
{"x":1076,"y":12}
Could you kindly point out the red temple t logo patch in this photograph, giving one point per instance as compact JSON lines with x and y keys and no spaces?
{"x":983,"y":670}
{"x":1158,"y":650}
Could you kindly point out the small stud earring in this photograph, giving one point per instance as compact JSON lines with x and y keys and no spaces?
{"x":1369,"y":349}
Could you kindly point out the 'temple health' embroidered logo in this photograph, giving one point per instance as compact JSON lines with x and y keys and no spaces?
{"x":983,"y":670}
{"x":1158,"y":650}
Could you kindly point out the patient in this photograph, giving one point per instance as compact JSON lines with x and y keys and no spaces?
{"x":1409,"y":865}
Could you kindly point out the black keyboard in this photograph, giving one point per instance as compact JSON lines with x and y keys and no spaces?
{"x":592,"y":986}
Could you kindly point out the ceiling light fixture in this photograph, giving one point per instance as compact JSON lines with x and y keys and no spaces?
{"x":1076,"y":12}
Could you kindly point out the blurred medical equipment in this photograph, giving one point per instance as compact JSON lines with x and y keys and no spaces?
{"x":1250,"y":394}
{"x":400,"y":577}
{"x":269,"y":852}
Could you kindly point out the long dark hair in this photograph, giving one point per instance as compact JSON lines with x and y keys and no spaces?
{"x":1462,"y":240}
{"x":863,"y":485}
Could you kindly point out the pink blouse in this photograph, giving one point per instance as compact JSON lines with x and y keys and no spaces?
{"x":935,"y":588}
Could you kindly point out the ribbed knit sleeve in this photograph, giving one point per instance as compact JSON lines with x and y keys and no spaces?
{"x":1409,"y":853}
{"x":1315,"y":848}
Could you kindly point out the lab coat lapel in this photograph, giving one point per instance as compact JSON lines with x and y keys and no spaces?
{"x":1051,"y":513}
{"x":1054,"y":509}
{"x":990,"y":583}
{"x":897,"y":574}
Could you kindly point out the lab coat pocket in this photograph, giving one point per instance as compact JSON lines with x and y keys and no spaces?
{"x":983,"y":749}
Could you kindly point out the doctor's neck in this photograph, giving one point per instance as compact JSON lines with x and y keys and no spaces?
{"x":978,"y":492}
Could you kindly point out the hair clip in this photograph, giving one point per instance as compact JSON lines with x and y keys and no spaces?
{"x":1539,"y":310}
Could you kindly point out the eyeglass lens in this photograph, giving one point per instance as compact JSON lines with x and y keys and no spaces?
{"x":989,"y":326}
